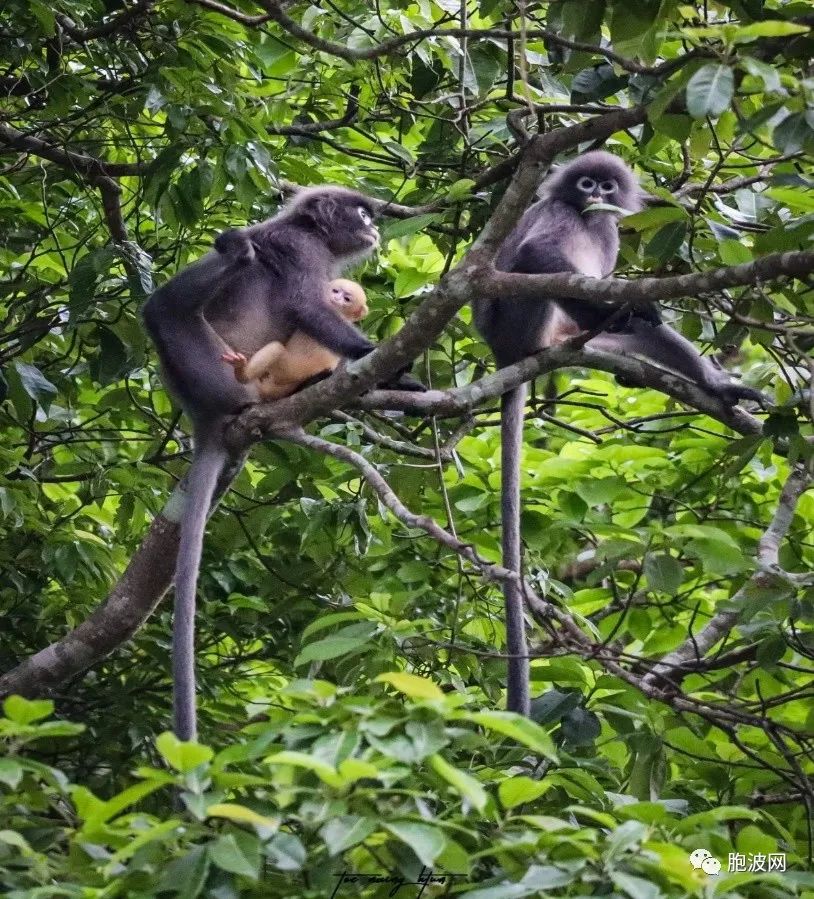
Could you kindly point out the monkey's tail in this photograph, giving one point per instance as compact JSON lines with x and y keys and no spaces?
{"x":513,"y":404}
{"x":210,"y":460}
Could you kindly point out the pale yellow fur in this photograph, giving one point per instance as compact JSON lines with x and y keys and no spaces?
{"x":278,"y":368}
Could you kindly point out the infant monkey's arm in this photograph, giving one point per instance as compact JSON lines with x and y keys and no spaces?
{"x":281,"y":368}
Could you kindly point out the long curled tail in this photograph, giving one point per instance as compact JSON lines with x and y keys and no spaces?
{"x":513,"y":404}
{"x":202,"y":478}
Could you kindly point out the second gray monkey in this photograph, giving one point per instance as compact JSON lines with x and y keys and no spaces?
{"x":560,"y":234}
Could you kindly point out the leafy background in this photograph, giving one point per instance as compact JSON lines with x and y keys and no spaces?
{"x":350,"y":668}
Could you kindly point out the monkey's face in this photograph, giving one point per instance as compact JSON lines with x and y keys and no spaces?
{"x":596,"y":177}
{"x":590,"y":190}
{"x":349,"y":300}
{"x":344,"y":219}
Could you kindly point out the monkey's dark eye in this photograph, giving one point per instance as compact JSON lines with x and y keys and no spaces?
{"x":586,"y":185}
{"x":364,"y":215}
{"x":607,"y":187}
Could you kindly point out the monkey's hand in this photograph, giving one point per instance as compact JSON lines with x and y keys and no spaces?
{"x":238,"y":362}
{"x":649,"y":313}
{"x":626,"y":322}
{"x":405,"y":381}
{"x":236,"y":244}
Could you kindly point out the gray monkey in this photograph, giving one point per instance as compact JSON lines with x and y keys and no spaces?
{"x":261,"y":284}
{"x":560,"y":234}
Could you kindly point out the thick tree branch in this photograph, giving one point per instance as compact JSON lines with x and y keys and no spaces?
{"x":508,"y":285}
{"x":129,"y":605}
{"x":80,"y":163}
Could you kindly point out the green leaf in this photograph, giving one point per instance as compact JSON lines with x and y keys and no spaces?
{"x":663,"y":572}
{"x":240,"y":814}
{"x":553,"y":705}
{"x":286,"y":852}
{"x":464,"y":783}
{"x":635,"y":887}
{"x":345,"y":831}
{"x":348,"y":640}
{"x":792,"y":134}
{"x":709,"y":91}
{"x":186,"y":876}
{"x":581,"y":727}
{"x":409,"y":281}
{"x":517,"y":790}
{"x":322,"y":769}
{"x":12,"y":838}
{"x":768,"y":28}
{"x":180,"y":755}
{"x":516,"y":727}
{"x":425,"y":840}
{"x":35,"y":384}
{"x":536,"y":882}
{"x":11,"y":773}
{"x":406,"y":227}
{"x":795,"y":199}
{"x":734,"y":253}
{"x":229,"y":856}
{"x":411,"y":685}
{"x":719,"y":556}
{"x":667,"y":241}
{"x":768,"y":74}
{"x":460,"y":189}
{"x":657,"y":216}
{"x":26,"y":711}
{"x":400,"y":151}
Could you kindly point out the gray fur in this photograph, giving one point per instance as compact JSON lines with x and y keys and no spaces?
{"x":261,"y":284}
{"x":560,"y":233}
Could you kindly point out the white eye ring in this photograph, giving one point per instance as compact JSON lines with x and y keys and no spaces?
{"x":586,"y":185}
{"x":364,"y":215}
{"x":607,"y":187}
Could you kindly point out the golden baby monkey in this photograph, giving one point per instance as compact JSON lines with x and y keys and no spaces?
{"x":280,"y":368}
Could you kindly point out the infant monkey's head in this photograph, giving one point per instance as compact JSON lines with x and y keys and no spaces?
{"x":348,"y":298}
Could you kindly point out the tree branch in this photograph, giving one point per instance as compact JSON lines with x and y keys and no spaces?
{"x":105,"y":29}
{"x":80,"y":163}
{"x":676,"y":664}
{"x":306,"y":129}
{"x":275,"y":13}
{"x":508,"y":285}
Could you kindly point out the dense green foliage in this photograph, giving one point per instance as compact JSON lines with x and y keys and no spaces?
{"x":350,"y":667}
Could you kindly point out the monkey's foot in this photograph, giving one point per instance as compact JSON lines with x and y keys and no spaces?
{"x":734,"y":392}
{"x":405,"y":381}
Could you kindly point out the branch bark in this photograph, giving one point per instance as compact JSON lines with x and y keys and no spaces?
{"x":80,"y":163}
